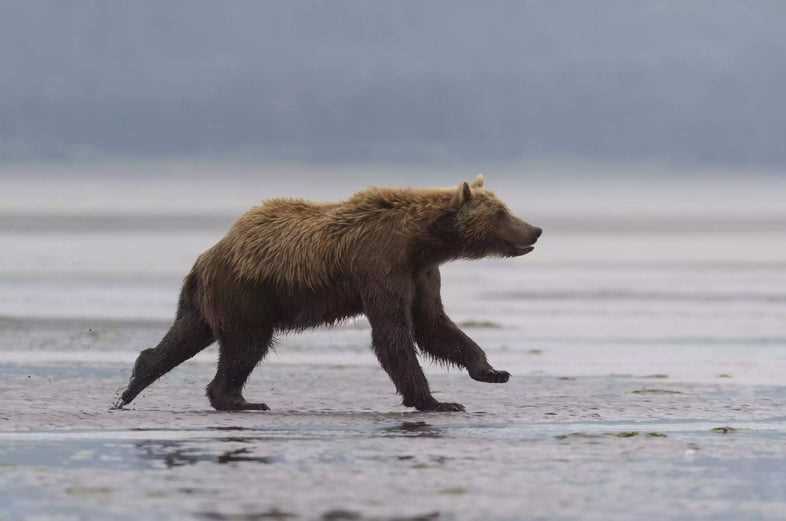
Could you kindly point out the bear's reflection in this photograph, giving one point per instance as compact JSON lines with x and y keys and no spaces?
{"x":414,"y":429}
{"x":174,"y":453}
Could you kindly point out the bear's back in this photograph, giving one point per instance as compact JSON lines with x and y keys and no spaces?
{"x":288,"y":242}
{"x":302,"y":244}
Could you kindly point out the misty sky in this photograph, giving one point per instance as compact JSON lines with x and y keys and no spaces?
{"x":683,"y":81}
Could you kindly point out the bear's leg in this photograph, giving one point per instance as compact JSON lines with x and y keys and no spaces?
{"x":388,"y":311}
{"x":239,"y":353}
{"x":188,"y":336}
{"x":440,"y":338}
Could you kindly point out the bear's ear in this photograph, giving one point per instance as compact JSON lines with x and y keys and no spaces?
{"x":479,"y":182}
{"x":462,"y":195}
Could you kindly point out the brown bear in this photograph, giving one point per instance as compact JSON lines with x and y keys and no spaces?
{"x":290,"y":264}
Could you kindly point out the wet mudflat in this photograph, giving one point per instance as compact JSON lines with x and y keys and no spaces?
{"x":337,"y":446}
{"x":646,"y":337}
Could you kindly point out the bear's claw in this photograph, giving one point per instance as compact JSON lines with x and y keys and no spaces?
{"x":490,"y":376}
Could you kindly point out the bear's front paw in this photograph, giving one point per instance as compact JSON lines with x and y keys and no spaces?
{"x":435,"y":406}
{"x":490,"y":375}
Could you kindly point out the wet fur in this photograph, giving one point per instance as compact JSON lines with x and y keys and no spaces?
{"x":290,"y":265}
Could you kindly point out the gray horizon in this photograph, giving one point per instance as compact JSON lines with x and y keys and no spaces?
{"x":699,"y":82}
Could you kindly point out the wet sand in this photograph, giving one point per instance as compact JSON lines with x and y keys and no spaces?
{"x":337,"y":444}
{"x":646,"y":338}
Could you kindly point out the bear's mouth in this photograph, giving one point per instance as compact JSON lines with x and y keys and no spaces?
{"x":517,"y":250}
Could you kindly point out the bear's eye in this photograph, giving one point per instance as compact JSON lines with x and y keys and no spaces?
{"x":500,"y":214}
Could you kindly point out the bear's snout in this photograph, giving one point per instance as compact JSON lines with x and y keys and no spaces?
{"x":536,"y":232}
{"x":517,"y":237}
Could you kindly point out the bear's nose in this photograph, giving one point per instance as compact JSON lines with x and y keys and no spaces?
{"x":537,"y":231}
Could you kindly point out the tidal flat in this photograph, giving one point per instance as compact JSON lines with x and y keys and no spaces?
{"x":337,"y":445}
{"x":646,"y":337}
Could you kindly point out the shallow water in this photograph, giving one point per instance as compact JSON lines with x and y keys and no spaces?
{"x":646,"y":338}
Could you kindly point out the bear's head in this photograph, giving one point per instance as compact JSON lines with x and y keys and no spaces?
{"x":487,"y":227}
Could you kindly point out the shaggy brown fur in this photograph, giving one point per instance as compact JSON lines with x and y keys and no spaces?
{"x":291,"y":264}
